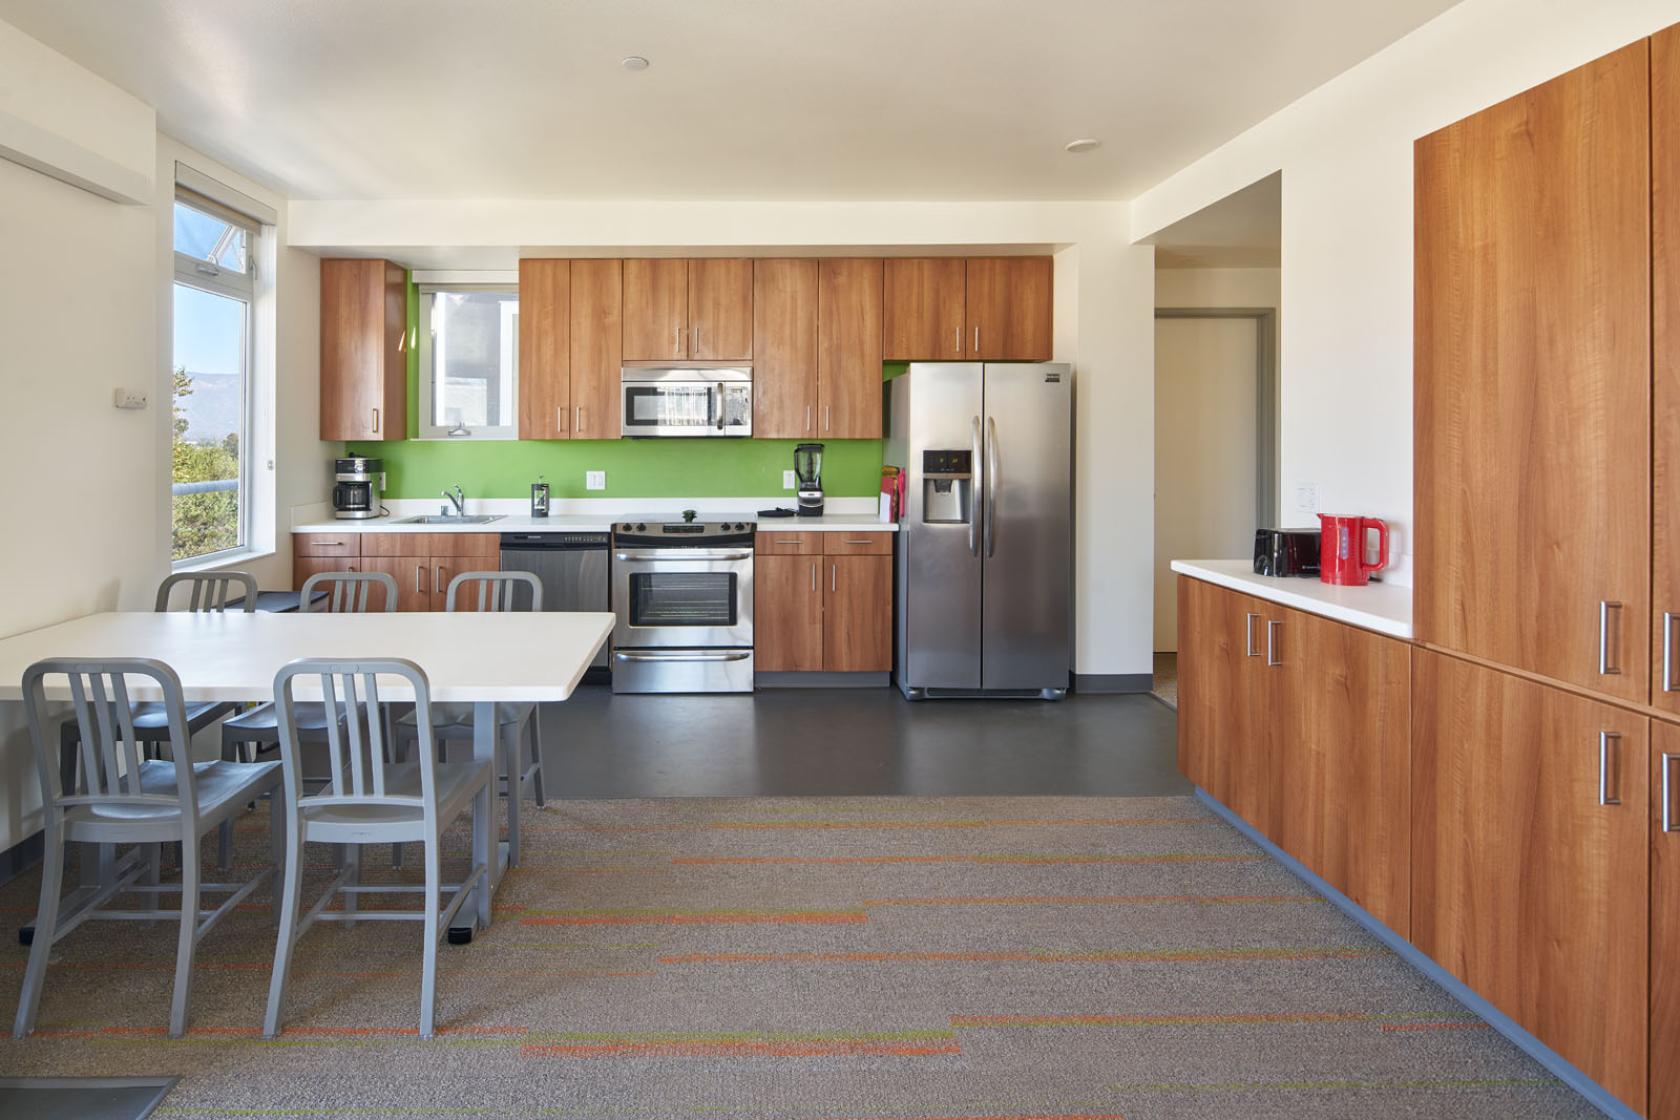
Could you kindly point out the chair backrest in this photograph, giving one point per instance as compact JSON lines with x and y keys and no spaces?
{"x":111,"y":752}
{"x":348,"y":690}
{"x":496,"y":591}
{"x":208,"y":591}
{"x":347,"y":591}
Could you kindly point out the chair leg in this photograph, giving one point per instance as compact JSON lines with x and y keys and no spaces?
{"x":276,"y":847}
{"x":224,"y":845}
{"x":399,"y":755}
{"x":287,"y":904}
{"x":352,"y":900}
{"x":537,"y":755}
{"x":46,"y":930}
{"x":484,"y":846}
{"x":187,"y":941}
{"x":512,"y":766}
{"x":428,"y":969}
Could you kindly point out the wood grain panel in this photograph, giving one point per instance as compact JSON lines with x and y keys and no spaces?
{"x":545,"y":350}
{"x":1532,"y":352}
{"x":787,"y":613}
{"x":1665,"y":359}
{"x":1524,"y":886}
{"x":857,"y":614}
{"x":597,"y":328}
{"x":655,"y":309}
{"x":1665,"y":927}
{"x":779,"y":543}
{"x":480,"y":545}
{"x":720,"y":309}
{"x":1224,"y":741}
{"x":305,"y":566}
{"x":414,"y":580}
{"x":364,"y":383}
{"x":1009,"y":308}
{"x":849,"y":310}
{"x":857,"y":543}
{"x":785,"y":349}
{"x":922,"y":311}
{"x":327,"y":544}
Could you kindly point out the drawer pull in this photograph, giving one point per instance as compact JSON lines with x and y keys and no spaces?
{"x":1668,"y":652}
{"x":857,"y":540}
{"x":1274,"y":657}
{"x":1248,"y":627}
{"x":1607,"y":668}
{"x":1605,"y":739}
{"x":1669,"y":824}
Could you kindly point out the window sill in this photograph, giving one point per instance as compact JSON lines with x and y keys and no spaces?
{"x":221,"y":560}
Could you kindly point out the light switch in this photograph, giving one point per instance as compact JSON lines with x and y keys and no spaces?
{"x":788,"y":482}
{"x":129,"y":398}
{"x":595,"y":480}
{"x":1306,"y":498}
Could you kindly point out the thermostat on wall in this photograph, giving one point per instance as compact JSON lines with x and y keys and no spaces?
{"x":129,"y":398}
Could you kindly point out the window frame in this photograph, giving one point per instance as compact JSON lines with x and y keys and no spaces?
{"x":202,"y":275}
{"x":426,"y":358}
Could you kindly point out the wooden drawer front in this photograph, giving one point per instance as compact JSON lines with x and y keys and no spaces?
{"x":327,"y":544}
{"x":857,"y":544}
{"x":478,"y":546}
{"x":790,"y":544}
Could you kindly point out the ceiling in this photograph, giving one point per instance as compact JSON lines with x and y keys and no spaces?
{"x":745,"y":99}
{"x":1241,"y":230}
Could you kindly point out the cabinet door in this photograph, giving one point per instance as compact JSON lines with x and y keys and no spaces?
{"x":655,"y":310}
{"x":1665,"y":921}
{"x":597,"y":325}
{"x":784,"y":349}
{"x":720,"y":310}
{"x":545,"y":352}
{"x":1009,"y":308}
{"x":1224,"y":743}
{"x":1529,"y":858}
{"x":414,"y":580}
{"x":1341,"y":777}
{"x":1533,"y":380}
{"x":364,"y":371}
{"x":849,"y":348}
{"x":305,"y":566}
{"x":787,"y":614}
{"x":1665,"y":399}
{"x":922,"y":310}
{"x":857,"y":614}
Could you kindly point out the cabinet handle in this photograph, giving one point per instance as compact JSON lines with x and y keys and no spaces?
{"x":676,"y":340}
{"x":1668,"y":822}
{"x":977,"y":340}
{"x":807,"y":418}
{"x":329,"y":544}
{"x":694,"y":341}
{"x":437,"y":580}
{"x":813,"y":577}
{"x":418,"y":568}
{"x":1273,"y":657}
{"x":856,"y":540}
{"x":834,"y":577}
{"x":1668,"y":651}
{"x":1604,"y":740}
{"x":376,"y":420}
{"x":956,"y":339}
{"x":577,"y":428}
{"x":559,"y":419}
{"x":828,"y":418}
{"x":1248,"y":628}
{"x":1605,"y":667}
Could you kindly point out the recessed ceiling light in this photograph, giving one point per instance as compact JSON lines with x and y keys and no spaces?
{"x":1085,"y":145}
{"x":634,"y":63}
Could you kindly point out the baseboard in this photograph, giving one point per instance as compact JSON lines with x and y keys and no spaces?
{"x":821,"y":680}
{"x":1097,"y":684}
{"x":20,"y":857}
{"x":1594,"y":1093}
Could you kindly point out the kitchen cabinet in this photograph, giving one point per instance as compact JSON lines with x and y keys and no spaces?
{"x":857,"y":614}
{"x":787,"y":612}
{"x":364,"y":364}
{"x":313,"y":553}
{"x":305,"y":566}
{"x":821,"y":603}
{"x":424,"y":563}
{"x":1225,"y":734}
{"x":1665,"y":398}
{"x":1009,"y":313}
{"x":545,"y":351}
{"x":720,"y":309}
{"x":1533,"y":381}
{"x":596,"y":335}
{"x":1530,"y":845}
{"x":1665,"y":920}
{"x":414,"y":580}
{"x":655,"y":310}
{"x":923,"y":309}
{"x":785,"y":364}
{"x":849,"y":309}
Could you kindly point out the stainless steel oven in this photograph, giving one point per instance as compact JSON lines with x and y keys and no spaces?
{"x":683,"y":601}
{"x":671,"y":401}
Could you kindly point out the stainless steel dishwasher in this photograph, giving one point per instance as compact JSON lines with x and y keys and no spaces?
{"x":573,"y":571}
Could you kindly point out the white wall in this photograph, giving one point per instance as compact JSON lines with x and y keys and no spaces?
{"x":1218,"y":287}
{"x":1346,"y":153}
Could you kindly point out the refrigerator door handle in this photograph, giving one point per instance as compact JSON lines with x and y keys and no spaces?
{"x":993,"y":476}
{"x":978,"y":484}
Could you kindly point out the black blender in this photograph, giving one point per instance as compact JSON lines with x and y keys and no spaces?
{"x":807,"y":469}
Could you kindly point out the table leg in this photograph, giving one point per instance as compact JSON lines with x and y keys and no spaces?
{"x":485,"y":749}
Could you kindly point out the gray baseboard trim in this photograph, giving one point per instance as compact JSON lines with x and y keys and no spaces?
{"x":20,"y":857}
{"x":1594,"y":1093}
{"x":1110,"y":683}
{"x":821,"y":680}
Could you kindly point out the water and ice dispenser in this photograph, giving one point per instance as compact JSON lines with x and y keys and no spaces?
{"x":947,"y":486}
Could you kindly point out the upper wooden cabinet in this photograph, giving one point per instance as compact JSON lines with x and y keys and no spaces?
{"x":1533,"y":380}
{"x":720,"y":310}
{"x":596,"y":331}
{"x":784,"y":306}
{"x":849,"y":348}
{"x":545,"y":353}
{"x":688,"y":310}
{"x":364,"y":365}
{"x":1665,"y":397}
{"x":655,"y":310}
{"x":1009,"y":309}
{"x":923,"y":309}
{"x":1529,"y":859}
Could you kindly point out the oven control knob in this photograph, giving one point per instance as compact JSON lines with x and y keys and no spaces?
{"x":641,"y":528}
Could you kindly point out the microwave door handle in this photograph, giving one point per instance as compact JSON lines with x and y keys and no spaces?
{"x":718,"y":400}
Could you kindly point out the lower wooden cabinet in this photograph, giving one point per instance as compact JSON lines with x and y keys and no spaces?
{"x":1664,"y":1101}
{"x":1530,"y":843}
{"x":1224,"y":726}
{"x":414,"y":579}
{"x":421,"y":563}
{"x":819,"y":604}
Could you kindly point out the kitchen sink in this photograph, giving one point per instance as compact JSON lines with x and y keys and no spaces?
{"x":450,"y":519}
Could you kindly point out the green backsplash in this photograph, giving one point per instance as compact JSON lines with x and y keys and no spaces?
{"x":636,"y":468}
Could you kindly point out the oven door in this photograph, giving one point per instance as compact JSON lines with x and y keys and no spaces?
{"x":682,"y":598}
{"x":686,"y":408}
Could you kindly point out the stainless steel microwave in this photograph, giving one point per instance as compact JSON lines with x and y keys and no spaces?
{"x":684,"y":401}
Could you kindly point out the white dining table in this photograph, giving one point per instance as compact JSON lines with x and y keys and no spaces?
{"x":480,"y":658}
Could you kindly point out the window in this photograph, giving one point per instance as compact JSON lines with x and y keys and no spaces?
{"x":469,"y":363}
{"x":211,"y":398}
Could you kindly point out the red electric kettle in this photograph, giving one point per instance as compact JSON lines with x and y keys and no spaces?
{"x":1343,"y":546}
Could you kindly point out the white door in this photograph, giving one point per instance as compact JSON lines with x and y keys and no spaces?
{"x":1206,"y":433}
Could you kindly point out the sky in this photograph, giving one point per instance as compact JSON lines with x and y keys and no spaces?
{"x":209,"y":328}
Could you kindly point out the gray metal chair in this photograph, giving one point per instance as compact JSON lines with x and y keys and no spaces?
{"x":208,"y":591}
{"x":125,"y":798}
{"x":453,"y":723}
{"x":368,"y":801}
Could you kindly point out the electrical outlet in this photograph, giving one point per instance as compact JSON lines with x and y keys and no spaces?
{"x":595,"y":480}
{"x":1306,"y":498}
{"x":788,"y":481}
{"x":129,"y":398}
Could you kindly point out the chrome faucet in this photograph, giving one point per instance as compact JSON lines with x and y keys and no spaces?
{"x":458,"y":500}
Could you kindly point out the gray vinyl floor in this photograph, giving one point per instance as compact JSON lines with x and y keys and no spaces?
{"x":857,"y":742}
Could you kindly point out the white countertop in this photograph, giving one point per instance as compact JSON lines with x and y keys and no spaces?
{"x":593,"y":523}
{"x":596,"y":515}
{"x":1383,"y":607}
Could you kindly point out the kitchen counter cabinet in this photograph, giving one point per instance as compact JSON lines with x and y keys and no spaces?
{"x":820,"y":603}
{"x":857,"y":614}
{"x":787,"y":613}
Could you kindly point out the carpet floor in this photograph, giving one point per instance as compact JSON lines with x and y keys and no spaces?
{"x":810,"y":959}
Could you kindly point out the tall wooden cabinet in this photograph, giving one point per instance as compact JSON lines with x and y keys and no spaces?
{"x":785,"y":348}
{"x":1665,"y":396}
{"x":595,"y":333}
{"x":849,"y":294}
{"x":569,"y":344}
{"x":1665,"y":920}
{"x":1533,"y":380}
{"x":364,"y":364}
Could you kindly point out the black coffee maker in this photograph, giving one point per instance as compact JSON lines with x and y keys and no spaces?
{"x":358,"y":482}
{"x":807,"y":470}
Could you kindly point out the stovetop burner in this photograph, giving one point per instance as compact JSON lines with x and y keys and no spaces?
{"x":683,"y":534}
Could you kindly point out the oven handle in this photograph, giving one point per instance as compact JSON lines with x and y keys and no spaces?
{"x":681,"y":655}
{"x":680,"y":554}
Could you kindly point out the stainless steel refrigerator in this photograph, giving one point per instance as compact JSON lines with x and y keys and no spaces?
{"x":985,"y":556}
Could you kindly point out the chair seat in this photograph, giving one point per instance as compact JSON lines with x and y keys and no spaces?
{"x":264,"y":718}
{"x":219,"y":784}
{"x":455,"y":717}
{"x":455,"y":782}
{"x":151,"y":721}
